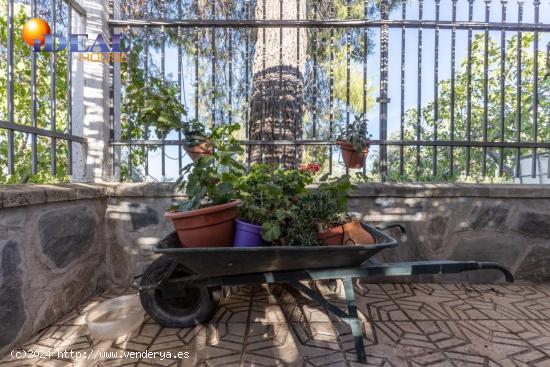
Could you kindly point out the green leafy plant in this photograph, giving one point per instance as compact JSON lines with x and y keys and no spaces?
{"x":318,"y":210}
{"x":194,"y":133}
{"x":152,"y":100}
{"x":356,"y":133}
{"x":267,"y":195}
{"x":212,"y":180}
{"x":22,"y":92}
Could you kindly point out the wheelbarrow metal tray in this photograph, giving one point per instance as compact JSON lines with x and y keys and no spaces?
{"x":221,"y":261}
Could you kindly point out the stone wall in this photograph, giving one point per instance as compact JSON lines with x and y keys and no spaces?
{"x":509,"y":224}
{"x":60,"y":244}
{"x":135,"y":221}
{"x":52,"y":255}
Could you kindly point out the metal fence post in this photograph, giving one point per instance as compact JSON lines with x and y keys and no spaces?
{"x":11,"y":145}
{"x":114,"y":96}
{"x":383,"y":99}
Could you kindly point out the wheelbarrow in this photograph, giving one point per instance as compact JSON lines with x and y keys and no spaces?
{"x":182,"y":287}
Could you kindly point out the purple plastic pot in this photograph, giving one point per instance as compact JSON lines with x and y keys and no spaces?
{"x":247,"y":235}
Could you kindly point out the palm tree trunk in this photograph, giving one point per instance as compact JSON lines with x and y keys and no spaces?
{"x":276,"y":105}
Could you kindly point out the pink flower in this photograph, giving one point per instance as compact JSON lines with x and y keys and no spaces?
{"x":310,"y":167}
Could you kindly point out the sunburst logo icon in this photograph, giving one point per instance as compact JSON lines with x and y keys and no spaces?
{"x":35,"y":29}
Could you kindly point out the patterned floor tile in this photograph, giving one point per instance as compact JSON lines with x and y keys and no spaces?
{"x":403,"y":324}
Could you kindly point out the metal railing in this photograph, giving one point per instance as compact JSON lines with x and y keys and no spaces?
{"x":440,"y":137}
{"x":33,"y":130}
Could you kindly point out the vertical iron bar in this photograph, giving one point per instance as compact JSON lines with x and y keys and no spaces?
{"x":365,"y":63}
{"x":419,"y":90}
{"x":247,"y":71}
{"x":453,"y":93}
{"x":281,"y":100}
{"x":331,"y":97}
{"x":53,"y":102}
{"x":262,"y":123}
{"x":298,"y":77}
{"x":11,"y":145}
{"x":146,"y":67}
{"x":383,"y":99}
{"x":130,"y":122}
{"x":112,"y":99}
{"x":230,"y":56}
{"x":247,"y":80}
{"x":436,"y":87}
{"x":548,"y":70}
{"x":214,"y":57}
{"x":518,"y":89}
{"x":402,"y":114}
{"x":485,"y":88}
{"x":348,"y":65}
{"x":469,"y":89}
{"x":69,"y":94}
{"x":536,"y":4}
{"x":196,"y":41}
{"x":180,"y":82}
{"x":502,"y":85}
{"x":163,"y":77}
{"x":315,"y":90}
{"x":34,"y":147}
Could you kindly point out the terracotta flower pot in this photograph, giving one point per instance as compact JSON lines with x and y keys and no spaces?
{"x":352,"y":158}
{"x":332,"y":237}
{"x":351,"y":233}
{"x":213,"y":226}
{"x":200,"y":150}
{"x":355,"y":234}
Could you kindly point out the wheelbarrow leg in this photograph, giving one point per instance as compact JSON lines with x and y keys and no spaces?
{"x":353,"y":321}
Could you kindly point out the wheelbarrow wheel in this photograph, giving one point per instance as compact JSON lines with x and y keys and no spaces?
{"x":186,"y":308}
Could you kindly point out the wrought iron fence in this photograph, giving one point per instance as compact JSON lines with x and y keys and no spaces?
{"x":450,"y":87}
{"x":487,"y":137}
{"x":28,"y":117}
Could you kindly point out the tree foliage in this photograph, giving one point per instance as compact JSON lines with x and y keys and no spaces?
{"x":476,"y":120}
{"x":22,"y":106}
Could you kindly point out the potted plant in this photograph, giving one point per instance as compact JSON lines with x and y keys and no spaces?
{"x":196,"y":141}
{"x":206,"y":218}
{"x":266,"y":193}
{"x":319,"y":216}
{"x":354,"y":142}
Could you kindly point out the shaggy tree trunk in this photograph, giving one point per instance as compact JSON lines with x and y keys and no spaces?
{"x":276,"y":105}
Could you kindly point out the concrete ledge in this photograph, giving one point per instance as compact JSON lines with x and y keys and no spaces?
{"x":452,"y":190}
{"x":148,"y":189}
{"x":24,"y":195}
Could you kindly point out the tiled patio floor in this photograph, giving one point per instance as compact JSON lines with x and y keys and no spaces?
{"x":410,"y":325}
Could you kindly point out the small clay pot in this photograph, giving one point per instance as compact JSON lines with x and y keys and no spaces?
{"x":213,"y":226}
{"x":351,"y":157}
{"x":332,"y":237}
{"x":355,"y":234}
{"x":201,"y":150}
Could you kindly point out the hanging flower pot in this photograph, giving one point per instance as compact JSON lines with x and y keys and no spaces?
{"x":351,"y":157}
{"x":211,"y":226}
{"x":247,"y":235}
{"x":199,"y":150}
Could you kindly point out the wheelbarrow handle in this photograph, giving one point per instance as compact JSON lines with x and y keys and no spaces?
{"x":392,"y":225}
{"x":496,"y":266}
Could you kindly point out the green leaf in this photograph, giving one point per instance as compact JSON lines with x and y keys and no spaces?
{"x":271,"y":231}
